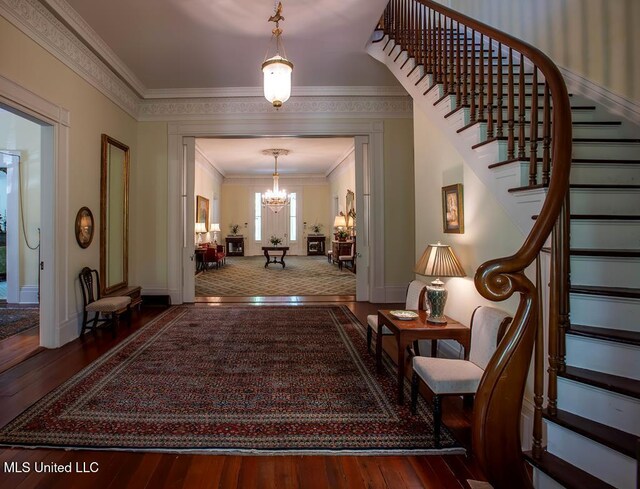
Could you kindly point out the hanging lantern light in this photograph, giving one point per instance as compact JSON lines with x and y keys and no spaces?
{"x":277,"y":69}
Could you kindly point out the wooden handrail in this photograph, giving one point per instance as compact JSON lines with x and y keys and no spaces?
{"x":496,"y":419}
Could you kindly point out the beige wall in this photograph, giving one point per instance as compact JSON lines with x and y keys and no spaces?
{"x":208,"y":184}
{"x":399,"y":201}
{"x":18,"y":134}
{"x":341,"y":179}
{"x":489,"y":233}
{"x":148,"y":209}
{"x":597,"y":39}
{"x":316,"y":209}
{"x":30,"y":66}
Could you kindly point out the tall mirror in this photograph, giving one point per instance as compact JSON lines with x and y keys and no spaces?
{"x":114,"y":215}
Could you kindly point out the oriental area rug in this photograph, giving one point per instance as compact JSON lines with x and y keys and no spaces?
{"x":15,"y":320}
{"x":302,"y":275}
{"x":248,"y":379}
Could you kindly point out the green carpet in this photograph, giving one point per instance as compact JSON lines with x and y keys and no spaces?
{"x":303,"y":275}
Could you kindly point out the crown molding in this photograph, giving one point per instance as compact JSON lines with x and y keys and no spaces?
{"x":43,"y":27}
{"x":72,"y":19}
{"x":232,"y":92}
{"x":211,"y":163}
{"x":248,"y":107}
{"x":261,"y":180}
{"x":339,"y":160}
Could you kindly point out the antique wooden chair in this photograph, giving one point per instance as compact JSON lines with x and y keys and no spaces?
{"x":452,"y":376}
{"x":111,"y":308}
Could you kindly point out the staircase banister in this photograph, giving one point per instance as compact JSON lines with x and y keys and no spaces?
{"x":496,"y":418}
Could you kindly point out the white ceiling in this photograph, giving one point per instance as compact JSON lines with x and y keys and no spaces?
{"x":172,"y":44}
{"x":243,"y":157}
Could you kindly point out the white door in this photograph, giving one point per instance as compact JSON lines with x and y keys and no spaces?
{"x":275,"y":224}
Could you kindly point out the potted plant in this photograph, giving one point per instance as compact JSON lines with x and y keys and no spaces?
{"x":316,"y":228}
{"x":275,"y":241}
{"x":342,"y":235}
{"x":234,"y":228}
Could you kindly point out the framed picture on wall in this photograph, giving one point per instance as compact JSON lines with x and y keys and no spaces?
{"x":84,"y":227}
{"x":453,"y":209}
{"x":202,"y":210}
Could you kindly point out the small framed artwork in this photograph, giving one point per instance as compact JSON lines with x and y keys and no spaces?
{"x":453,"y":209}
{"x":84,"y":227}
{"x":202,"y":210}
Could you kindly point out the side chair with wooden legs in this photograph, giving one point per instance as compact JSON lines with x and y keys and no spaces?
{"x":111,"y":308}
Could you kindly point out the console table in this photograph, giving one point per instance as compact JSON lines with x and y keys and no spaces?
{"x":315,"y":245}
{"x":235,"y":245}
{"x":267,"y":249}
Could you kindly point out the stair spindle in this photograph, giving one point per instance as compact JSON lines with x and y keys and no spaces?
{"x":552,"y":388}
{"x":465,"y":70}
{"x":533,"y":132}
{"x":452,"y":50}
{"x":511,"y":145}
{"x":441,"y":77}
{"x":490,"y":91}
{"x":472,"y":114}
{"x":458,"y":68}
{"x":521,"y":110}
{"x":538,"y":369}
{"x":481,"y":81}
{"x":500,"y":131}
{"x":430,"y":43}
{"x":546,"y":142}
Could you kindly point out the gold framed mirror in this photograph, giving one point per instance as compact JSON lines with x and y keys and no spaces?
{"x":114,"y":215}
{"x":350,"y":207}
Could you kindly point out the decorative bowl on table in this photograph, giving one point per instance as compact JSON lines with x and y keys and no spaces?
{"x":404,"y":315}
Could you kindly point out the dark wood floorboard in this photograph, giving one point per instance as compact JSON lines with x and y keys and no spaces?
{"x":25,"y":383}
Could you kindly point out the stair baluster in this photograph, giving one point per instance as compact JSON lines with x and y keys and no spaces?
{"x":521,"y":110}
{"x":473,"y":116}
{"x":500,"y":132}
{"x":511,"y":145}
{"x":533,"y":132}
{"x":546,"y":135}
{"x":481,"y":81}
{"x":538,"y":382}
{"x":458,"y":69}
{"x":490,"y":91}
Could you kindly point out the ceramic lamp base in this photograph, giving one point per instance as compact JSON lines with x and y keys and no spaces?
{"x":437,"y":297}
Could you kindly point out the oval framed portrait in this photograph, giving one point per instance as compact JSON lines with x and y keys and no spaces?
{"x":84,"y":227}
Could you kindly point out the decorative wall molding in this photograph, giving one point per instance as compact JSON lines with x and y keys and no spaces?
{"x":246,"y":107}
{"x":41,"y":25}
{"x":296,"y":91}
{"x":629,"y":109}
{"x":339,"y":161}
{"x":298,"y":180}
{"x":213,"y":168}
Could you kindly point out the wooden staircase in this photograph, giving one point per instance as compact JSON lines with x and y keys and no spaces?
{"x":592,"y":409}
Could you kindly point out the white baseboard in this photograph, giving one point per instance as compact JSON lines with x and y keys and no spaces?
{"x":28,"y":294}
{"x":629,"y":109}
{"x":69,"y":330}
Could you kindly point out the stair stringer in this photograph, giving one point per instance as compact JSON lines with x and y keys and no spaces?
{"x":519,"y":207}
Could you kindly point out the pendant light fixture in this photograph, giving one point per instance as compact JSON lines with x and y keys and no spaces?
{"x":277,"y":68}
{"x":276,"y":199}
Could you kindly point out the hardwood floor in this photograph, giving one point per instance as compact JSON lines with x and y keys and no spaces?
{"x":30,"y":380}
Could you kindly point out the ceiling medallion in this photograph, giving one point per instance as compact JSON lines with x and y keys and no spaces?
{"x":277,"y":68}
{"x":276,"y":199}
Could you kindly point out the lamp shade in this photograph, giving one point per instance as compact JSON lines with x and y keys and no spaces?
{"x":339,"y":222}
{"x":214,"y":227}
{"x":201,"y":227}
{"x":277,"y":80}
{"x":438,"y":260}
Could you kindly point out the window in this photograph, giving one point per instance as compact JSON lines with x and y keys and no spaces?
{"x":293,"y":215}
{"x":257,"y":223}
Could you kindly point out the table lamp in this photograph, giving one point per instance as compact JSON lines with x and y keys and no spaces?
{"x":215,"y":229}
{"x":201,"y":228}
{"x":438,"y":260}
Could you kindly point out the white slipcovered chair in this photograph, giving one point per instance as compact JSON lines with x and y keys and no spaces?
{"x":414,"y":301}
{"x":342,"y":259}
{"x":448,"y":376}
{"x":111,"y":308}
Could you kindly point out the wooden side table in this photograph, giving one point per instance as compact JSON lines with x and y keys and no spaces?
{"x":406,"y":332}
{"x":235,"y":245}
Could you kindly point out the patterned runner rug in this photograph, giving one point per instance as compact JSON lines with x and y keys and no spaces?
{"x":14,"y":320}
{"x":303,"y":275}
{"x":267,"y":379}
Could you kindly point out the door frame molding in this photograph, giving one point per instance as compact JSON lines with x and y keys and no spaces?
{"x":58,"y":322}
{"x":369,"y":135}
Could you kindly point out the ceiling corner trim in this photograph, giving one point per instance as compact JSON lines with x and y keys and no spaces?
{"x":339,"y":160}
{"x":211,"y":163}
{"x":296,"y":91}
{"x":72,"y":19}
{"x":43,"y":27}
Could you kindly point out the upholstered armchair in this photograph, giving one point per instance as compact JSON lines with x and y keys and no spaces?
{"x":414,"y":301}
{"x":447,"y":376}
